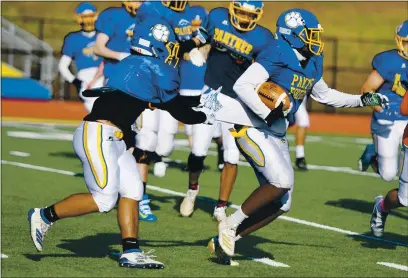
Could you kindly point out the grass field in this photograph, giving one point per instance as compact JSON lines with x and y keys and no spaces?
{"x":336,"y":196}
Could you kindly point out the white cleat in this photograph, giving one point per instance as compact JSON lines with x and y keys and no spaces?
{"x":38,"y":228}
{"x":140,"y":260}
{"x":378,"y":218}
{"x":159,"y":169}
{"x":226,"y":237}
{"x":187,"y":206}
{"x":219,"y":213}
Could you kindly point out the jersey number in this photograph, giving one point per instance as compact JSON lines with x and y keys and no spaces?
{"x":397,"y":86}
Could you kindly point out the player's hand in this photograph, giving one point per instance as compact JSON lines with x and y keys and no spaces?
{"x":374,"y":99}
{"x":201,"y":34}
{"x":78,"y":84}
{"x":196,"y":57}
{"x":210,"y":114}
{"x":275,"y":114}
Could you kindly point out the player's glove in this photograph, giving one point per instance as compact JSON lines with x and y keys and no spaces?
{"x":78,"y":84}
{"x":196,"y":57}
{"x":201,"y":34}
{"x":374,"y":99}
{"x":278,"y":113}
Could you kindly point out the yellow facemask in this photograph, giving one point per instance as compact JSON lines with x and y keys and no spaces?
{"x":87,"y":21}
{"x":312,"y":37}
{"x":178,"y":5}
{"x":132,"y":6}
{"x":242,"y":18}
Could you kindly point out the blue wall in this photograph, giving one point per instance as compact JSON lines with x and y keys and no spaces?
{"x":24,"y":88}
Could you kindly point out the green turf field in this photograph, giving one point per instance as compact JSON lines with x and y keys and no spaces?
{"x":335,"y":196}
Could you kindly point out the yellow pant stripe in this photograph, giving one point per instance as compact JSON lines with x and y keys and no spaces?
{"x":261,"y":162}
{"x":101,"y":184}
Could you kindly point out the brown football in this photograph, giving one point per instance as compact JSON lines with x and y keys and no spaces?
{"x":270,"y":93}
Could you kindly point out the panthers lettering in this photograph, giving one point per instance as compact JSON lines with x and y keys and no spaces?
{"x":232,"y":41}
{"x":300,"y":86}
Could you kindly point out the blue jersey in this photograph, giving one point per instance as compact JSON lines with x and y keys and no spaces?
{"x":284,"y":69}
{"x":118,"y":25}
{"x":393,"y":68}
{"x":79,"y":47}
{"x":148,"y":78}
{"x":232,"y":51}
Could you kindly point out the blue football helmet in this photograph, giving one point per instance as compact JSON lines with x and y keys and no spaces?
{"x":177,"y":5}
{"x":86,"y":16}
{"x":401,"y":37}
{"x":245,"y":14}
{"x":301,"y":29}
{"x":155,"y":38}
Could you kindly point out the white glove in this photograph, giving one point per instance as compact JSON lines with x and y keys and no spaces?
{"x":209,"y":99}
{"x":123,"y":55}
{"x":208,"y":112}
{"x":196,"y":57}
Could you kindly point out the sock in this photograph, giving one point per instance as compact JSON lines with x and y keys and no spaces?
{"x":130,"y":244}
{"x":236,"y":218}
{"x":193,"y":186}
{"x":48,"y":214}
{"x":144,"y":188}
{"x":221,"y":203}
{"x":300,"y":151}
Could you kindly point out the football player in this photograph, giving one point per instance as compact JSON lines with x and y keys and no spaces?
{"x":389,"y":77}
{"x":236,"y":39}
{"x":104,"y":141}
{"x":78,"y":47}
{"x":294,"y":61}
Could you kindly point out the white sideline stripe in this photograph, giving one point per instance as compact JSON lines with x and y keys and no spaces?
{"x":397,"y":266}
{"x":270,"y":262}
{"x":172,"y":192}
{"x":17,"y":153}
{"x":4,"y":256}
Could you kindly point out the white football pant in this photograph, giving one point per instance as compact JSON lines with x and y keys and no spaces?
{"x":86,"y":75}
{"x":109,"y":170}
{"x":387,"y":141}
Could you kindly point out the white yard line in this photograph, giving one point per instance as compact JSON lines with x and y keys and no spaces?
{"x":21,"y":154}
{"x":270,"y":262}
{"x":172,"y":192}
{"x":397,"y":266}
{"x":4,"y":256}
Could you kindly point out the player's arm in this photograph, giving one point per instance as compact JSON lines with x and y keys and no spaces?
{"x":372,"y":83}
{"x":65,"y":62}
{"x":404,"y":105}
{"x":100,"y":48}
{"x":325,"y":95}
{"x":98,"y":74}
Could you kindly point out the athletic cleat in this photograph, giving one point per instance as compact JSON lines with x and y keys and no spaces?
{"x":222,"y":258}
{"x":145,"y":213}
{"x":226,"y":237}
{"x":219,"y":213}
{"x":38,"y":227}
{"x":139,"y":259}
{"x":187,"y":206}
{"x":301,"y":163}
{"x":378,"y":218}
{"x":159,"y":169}
{"x":367,"y":157}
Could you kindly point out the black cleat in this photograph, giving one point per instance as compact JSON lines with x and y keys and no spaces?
{"x":301,"y":164}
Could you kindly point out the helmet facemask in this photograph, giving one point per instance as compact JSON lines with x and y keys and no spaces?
{"x":402,"y":45}
{"x":243,"y":18}
{"x":87,"y":21}
{"x":132,"y":6}
{"x":178,"y":5}
{"x":312,"y":38}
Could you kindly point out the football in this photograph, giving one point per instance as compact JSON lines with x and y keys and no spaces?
{"x":272,"y":94}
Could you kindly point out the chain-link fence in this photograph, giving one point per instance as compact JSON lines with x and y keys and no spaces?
{"x":347,"y":61}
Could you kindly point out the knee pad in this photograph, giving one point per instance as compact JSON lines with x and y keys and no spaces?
{"x":387,"y":174}
{"x":165,"y":145}
{"x":195,"y":163}
{"x":142,"y":157}
{"x":105,"y":202}
{"x":231,"y":156}
{"x":146,"y":140}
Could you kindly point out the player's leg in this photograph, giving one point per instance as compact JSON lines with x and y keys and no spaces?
{"x":303,"y":122}
{"x":217,"y":136}
{"x":147,"y":126}
{"x":86,"y":75}
{"x":202,"y":135}
{"x":167,"y":130}
{"x":387,"y":141}
{"x":188,"y":130}
{"x":131,"y":192}
{"x":270,"y":157}
{"x":395,"y":198}
{"x":99,"y":157}
{"x":229,"y":172}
